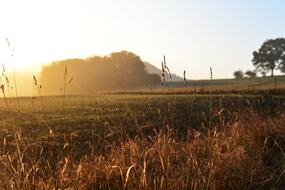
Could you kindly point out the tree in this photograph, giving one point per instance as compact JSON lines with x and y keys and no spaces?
{"x":250,"y":74}
{"x":238,"y":74}
{"x":117,"y":71}
{"x":270,"y":56}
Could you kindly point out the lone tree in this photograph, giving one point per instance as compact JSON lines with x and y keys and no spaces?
{"x":250,"y":74}
{"x":238,"y":74}
{"x":270,"y":56}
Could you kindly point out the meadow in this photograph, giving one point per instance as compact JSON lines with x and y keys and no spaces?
{"x":252,"y":84}
{"x":81,"y":110}
{"x":143,"y":141}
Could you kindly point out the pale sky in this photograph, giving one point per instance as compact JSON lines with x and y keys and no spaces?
{"x":193,"y":34}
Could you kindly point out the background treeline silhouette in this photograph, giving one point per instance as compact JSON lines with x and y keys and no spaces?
{"x":117,"y":71}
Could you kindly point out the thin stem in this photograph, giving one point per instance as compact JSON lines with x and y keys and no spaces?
{"x":64,"y":88}
{"x":16,"y":90}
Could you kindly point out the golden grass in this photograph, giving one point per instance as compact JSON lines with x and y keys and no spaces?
{"x":241,"y":154}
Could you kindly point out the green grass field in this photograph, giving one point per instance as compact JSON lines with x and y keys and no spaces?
{"x":143,"y":141}
{"x":80,"y":113}
{"x":257,"y":83}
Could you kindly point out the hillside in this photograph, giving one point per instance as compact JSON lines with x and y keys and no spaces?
{"x":154,"y":70}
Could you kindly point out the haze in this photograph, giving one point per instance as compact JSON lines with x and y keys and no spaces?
{"x":193,"y":35}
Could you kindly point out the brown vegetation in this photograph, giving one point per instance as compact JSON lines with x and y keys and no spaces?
{"x":245,"y":151}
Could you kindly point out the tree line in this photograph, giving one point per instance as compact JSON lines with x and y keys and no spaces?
{"x":117,"y":71}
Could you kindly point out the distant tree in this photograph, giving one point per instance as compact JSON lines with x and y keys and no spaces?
{"x":263,"y":73}
{"x":250,"y":74}
{"x":270,"y":56}
{"x":238,"y":74}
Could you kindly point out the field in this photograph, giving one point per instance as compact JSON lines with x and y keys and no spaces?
{"x":142,"y":95}
{"x":144,"y":141}
{"x":256,"y":83}
{"x":218,"y":86}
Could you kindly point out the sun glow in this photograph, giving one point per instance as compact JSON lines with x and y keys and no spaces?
{"x":40,"y":32}
{"x":194,"y":35}
{"x":8,"y":59}
{"x":21,"y":61}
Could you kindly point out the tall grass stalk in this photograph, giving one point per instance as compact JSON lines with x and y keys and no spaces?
{"x":14,"y":76}
{"x":7,"y":81}
{"x":16,"y":91}
{"x":185,"y":82}
{"x":210,"y":105}
{"x":3,"y":92}
{"x":66,"y":82}
{"x":166,"y":76}
{"x":64,"y":87}
{"x":39,"y":88}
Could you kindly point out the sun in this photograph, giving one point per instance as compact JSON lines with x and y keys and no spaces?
{"x":16,"y":57}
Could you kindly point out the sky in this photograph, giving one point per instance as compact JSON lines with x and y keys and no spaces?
{"x":193,"y":34}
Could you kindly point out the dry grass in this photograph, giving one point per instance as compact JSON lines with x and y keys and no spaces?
{"x":246,"y":153}
{"x":243,"y":151}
